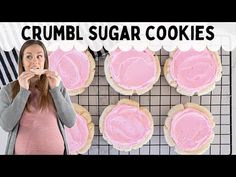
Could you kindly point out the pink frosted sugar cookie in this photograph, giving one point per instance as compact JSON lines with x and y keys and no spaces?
{"x":189,"y":128}
{"x":80,"y":136}
{"x":75,"y":68}
{"x":130,"y":72}
{"x":126,"y":126}
{"x":193,"y":72}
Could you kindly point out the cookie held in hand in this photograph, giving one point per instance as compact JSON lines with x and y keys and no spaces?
{"x":38,"y":72}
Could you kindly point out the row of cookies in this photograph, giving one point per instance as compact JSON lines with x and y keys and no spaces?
{"x":135,"y":72}
{"x":127,"y":126}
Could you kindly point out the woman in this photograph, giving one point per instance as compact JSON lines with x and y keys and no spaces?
{"x":35,"y":107}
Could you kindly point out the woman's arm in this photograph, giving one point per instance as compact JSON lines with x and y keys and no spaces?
{"x":63,"y":105}
{"x":11,"y":111}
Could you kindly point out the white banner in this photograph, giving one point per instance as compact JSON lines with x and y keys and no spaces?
{"x":123,"y":35}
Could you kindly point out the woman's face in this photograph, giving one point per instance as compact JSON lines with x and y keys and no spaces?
{"x":33,"y":57}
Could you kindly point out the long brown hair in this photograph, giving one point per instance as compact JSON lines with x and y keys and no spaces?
{"x":45,"y":97}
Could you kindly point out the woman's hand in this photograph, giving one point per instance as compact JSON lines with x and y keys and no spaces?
{"x":53,"y":79}
{"x":24,"y":79}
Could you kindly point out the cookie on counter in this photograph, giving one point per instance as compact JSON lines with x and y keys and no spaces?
{"x":193,"y":72}
{"x":76,"y":69}
{"x":132,"y":72}
{"x":80,"y":136}
{"x":189,"y":128}
{"x":126,"y":125}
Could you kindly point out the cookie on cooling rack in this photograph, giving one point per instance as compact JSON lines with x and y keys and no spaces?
{"x":126,"y":125}
{"x":132,"y":71}
{"x":193,"y":72}
{"x":189,"y":128}
{"x":80,"y":136}
{"x":76,"y":69}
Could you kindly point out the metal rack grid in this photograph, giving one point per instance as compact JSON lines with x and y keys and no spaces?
{"x":159,"y":100}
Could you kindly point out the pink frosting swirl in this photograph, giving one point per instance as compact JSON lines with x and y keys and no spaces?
{"x":190,"y":129}
{"x":193,"y":70}
{"x":73,"y":67}
{"x":133,"y":69}
{"x":77,"y":135}
{"x":126,"y":126}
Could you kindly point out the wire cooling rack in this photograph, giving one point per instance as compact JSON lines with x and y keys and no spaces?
{"x":159,"y":101}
